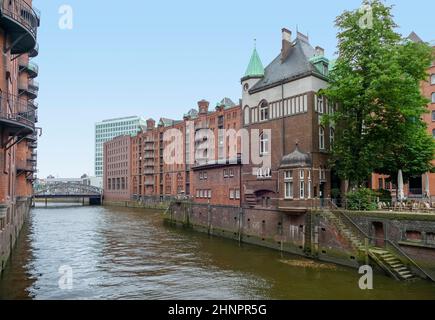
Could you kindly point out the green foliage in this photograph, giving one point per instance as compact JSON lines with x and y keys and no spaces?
{"x":362,"y":199}
{"x":376,"y":83}
{"x":384,"y":196}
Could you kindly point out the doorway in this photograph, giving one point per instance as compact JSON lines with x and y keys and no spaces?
{"x":379,"y":233}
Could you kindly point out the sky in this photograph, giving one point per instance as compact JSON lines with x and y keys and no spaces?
{"x":158,"y":58}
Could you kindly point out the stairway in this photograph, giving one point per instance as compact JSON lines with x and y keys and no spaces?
{"x":251,"y":199}
{"x":391,"y":264}
{"x":384,"y":258}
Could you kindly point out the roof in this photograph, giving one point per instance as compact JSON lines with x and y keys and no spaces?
{"x":255,"y":68}
{"x":296,"y":64}
{"x":414,"y":37}
{"x":296,"y":159}
{"x":226,"y":103}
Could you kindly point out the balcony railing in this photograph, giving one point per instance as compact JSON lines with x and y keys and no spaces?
{"x":22,"y":21}
{"x":31,"y":68}
{"x":35,"y":51}
{"x":17,"y":115}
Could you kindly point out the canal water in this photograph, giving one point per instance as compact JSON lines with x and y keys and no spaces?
{"x":112,"y":253}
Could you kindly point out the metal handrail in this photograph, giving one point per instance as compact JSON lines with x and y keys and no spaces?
{"x":403,"y":253}
{"x":397,"y":248}
{"x":23,"y":13}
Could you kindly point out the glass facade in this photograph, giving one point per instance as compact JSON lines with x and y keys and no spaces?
{"x":109,"y":129}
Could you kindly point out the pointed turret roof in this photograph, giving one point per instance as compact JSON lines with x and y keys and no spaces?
{"x":255,"y":68}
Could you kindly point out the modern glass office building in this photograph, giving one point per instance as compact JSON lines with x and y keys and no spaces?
{"x":112,"y":128}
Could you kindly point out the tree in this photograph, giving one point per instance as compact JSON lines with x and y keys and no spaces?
{"x":375,"y":83}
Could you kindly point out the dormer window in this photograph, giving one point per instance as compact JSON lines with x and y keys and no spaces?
{"x":264,"y":111}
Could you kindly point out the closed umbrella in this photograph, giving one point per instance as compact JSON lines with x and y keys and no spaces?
{"x":427,"y":186}
{"x":401,"y":193}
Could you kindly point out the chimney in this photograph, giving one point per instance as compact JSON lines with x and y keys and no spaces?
{"x":320,"y":51}
{"x":151,"y":124}
{"x":203,"y":106}
{"x":286,"y":43}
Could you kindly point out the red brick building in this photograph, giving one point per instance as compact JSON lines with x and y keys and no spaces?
{"x":118,"y":169}
{"x":287,"y":167}
{"x":18,"y":115}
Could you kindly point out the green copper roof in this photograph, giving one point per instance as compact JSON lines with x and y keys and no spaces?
{"x":255,"y":67}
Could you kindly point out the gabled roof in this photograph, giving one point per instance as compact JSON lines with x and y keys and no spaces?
{"x":296,"y":64}
{"x":255,"y":68}
{"x":414,"y":37}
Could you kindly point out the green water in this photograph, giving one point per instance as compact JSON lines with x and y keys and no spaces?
{"x":129,"y":254}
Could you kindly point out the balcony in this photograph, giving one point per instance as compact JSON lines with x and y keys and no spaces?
{"x":148,"y":171}
{"x":16,"y":116}
{"x":21,"y":22}
{"x":33,"y":104}
{"x":33,"y":138}
{"x":31,"y":68}
{"x":33,"y":145}
{"x":35,"y":51}
{"x":30,"y":89}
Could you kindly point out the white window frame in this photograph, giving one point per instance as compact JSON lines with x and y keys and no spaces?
{"x":232,"y":194}
{"x":432,"y":79}
{"x":433,"y":97}
{"x":321,"y":138}
{"x":264,"y":144}
{"x":237,"y":194}
{"x":288,"y":189}
{"x":264,"y":111}
{"x":302,"y":189}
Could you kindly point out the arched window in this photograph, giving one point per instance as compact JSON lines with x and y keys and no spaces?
{"x":264,"y":111}
{"x":321,"y":138}
{"x":264,"y":144}
{"x":247,"y":114}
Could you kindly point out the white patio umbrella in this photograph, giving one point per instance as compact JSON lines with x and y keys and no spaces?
{"x":401,"y":193}
{"x":427,"y":186}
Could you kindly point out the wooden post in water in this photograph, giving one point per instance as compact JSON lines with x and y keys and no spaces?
{"x":46,"y":202}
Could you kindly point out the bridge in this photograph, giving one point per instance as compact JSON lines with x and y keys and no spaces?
{"x":69,"y":191}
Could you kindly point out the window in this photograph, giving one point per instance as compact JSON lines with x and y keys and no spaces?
{"x":433,"y":97}
{"x":225,"y":173}
{"x":232,"y":194}
{"x":197,"y":193}
{"x":264,"y":111}
{"x":433,"y":133}
{"x":331,"y":137}
{"x":288,"y":184}
{"x":302,"y":190}
{"x":204,"y":175}
{"x":321,"y":138}
{"x":432,"y":79}
{"x":264,"y":144}
{"x":301,"y":184}
{"x":309,"y":185}
{"x":433,"y":116}
{"x":288,"y":175}
{"x":237,"y":194}
{"x":247,"y":114}
{"x":200,"y":176}
{"x":231,"y":173}
{"x":320,"y":107}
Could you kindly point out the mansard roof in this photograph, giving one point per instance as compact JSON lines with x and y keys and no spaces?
{"x":296,"y":64}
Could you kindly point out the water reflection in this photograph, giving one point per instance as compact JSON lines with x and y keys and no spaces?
{"x":129,"y":254}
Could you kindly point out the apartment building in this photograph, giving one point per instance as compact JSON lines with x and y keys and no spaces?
{"x":112,"y":128}
{"x":19,"y":23}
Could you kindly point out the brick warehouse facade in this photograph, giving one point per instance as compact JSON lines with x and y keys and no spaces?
{"x":18,"y":115}
{"x":117,"y":168}
{"x":154,"y":178}
{"x":281,"y":104}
